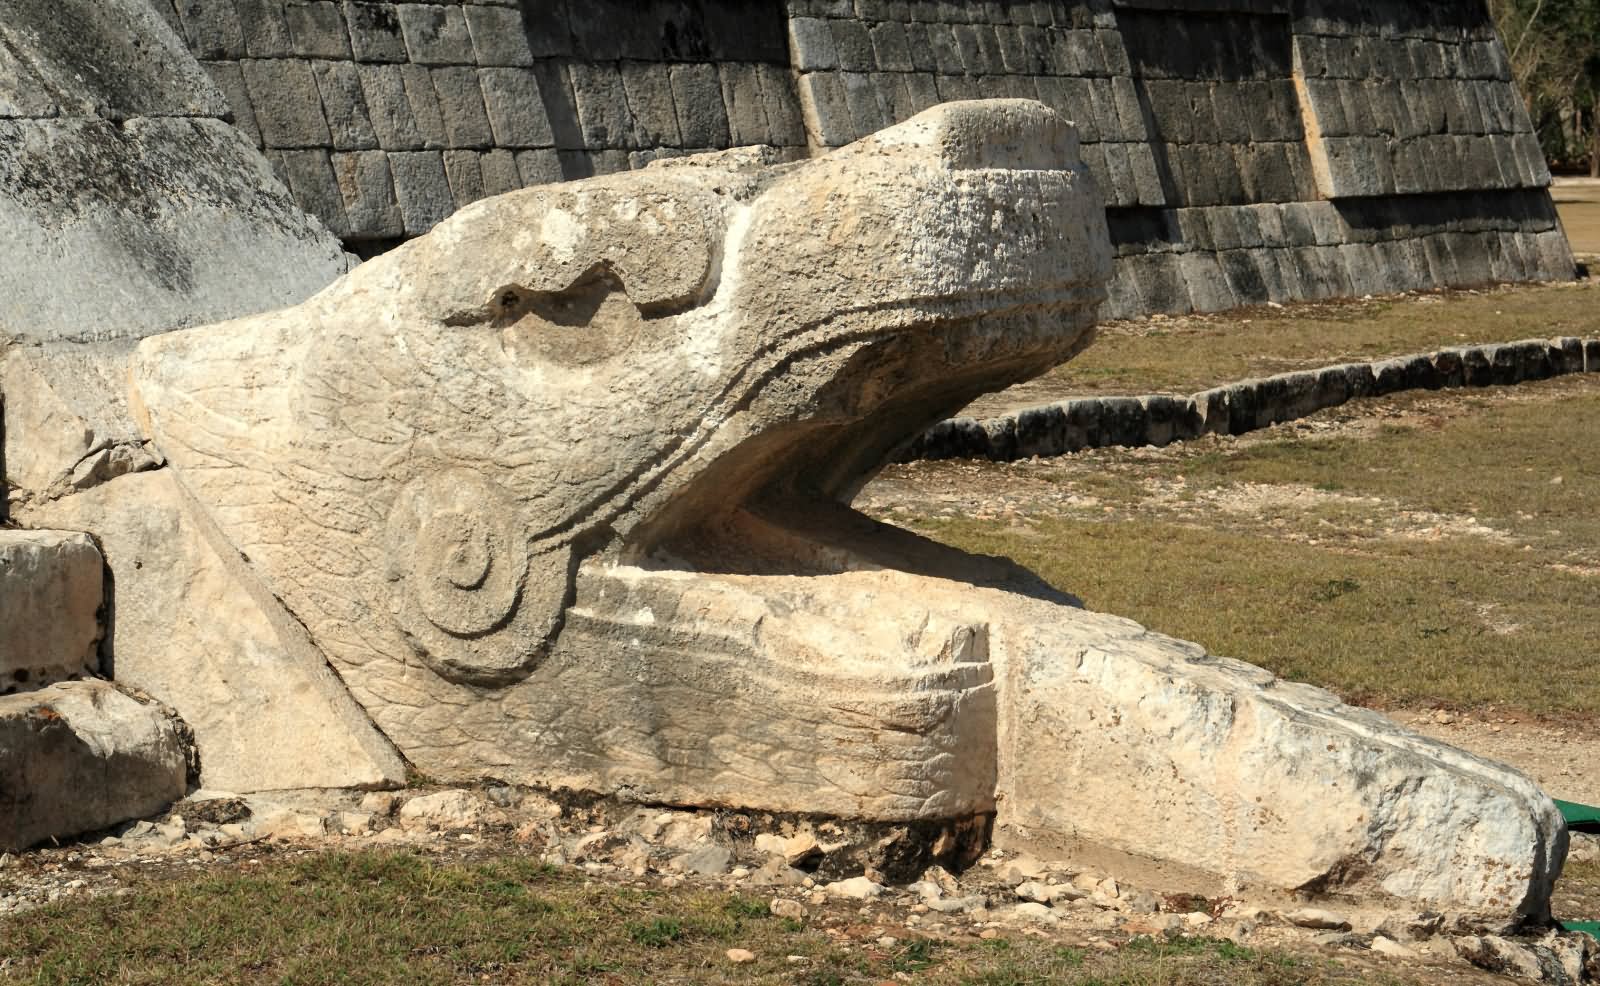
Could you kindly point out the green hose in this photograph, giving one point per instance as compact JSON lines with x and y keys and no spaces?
{"x":1580,"y":818}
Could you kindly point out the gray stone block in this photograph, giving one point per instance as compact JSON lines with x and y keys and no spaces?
{"x":853,"y":45}
{"x":648,"y":88}
{"x":944,"y":49}
{"x":212,"y":29}
{"x":422,"y":189}
{"x":697,"y":95}
{"x":499,"y":169}
{"x":891,"y":49}
{"x":375,"y":34}
{"x":602,"y":106}
{"x":1113,"y":54}
{"x":288,"y":109}
{"x":266,"y":30}
{"x":367,"y":191}
{"x":436,"y":35}
{"x":318,"y":29}
{"x":827,"y":115}
{"x":424,"y":102}
{"x":231,"y":81}
{"x":461,"y":107}
{"x":498,"y":37}
{"x":339,"y":84}
{"x":1161,"y":284}
{"x":315,"y":189}
{"x":1146,"y":177}
{"x":1130,"y":116}
{"x":811,"y":44}
{"x":780,"y":99}
{"x":539,"y":167}
{"x":1208,"y":287}
{"x":512,"y":99}
{"x":388,"y":109}
{"x":868,"y":113}
{"x":465,"y":176}
{"x":1591,"y":356}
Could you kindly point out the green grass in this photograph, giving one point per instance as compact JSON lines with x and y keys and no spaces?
{"x":1319,"y":588}
{"x":383,"y":918}
{"x":1185,"y":355}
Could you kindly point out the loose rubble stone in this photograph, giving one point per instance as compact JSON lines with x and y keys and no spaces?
{"x":785,"y":908}
{"x":81,"y":755}
{"x":444,"y":810}
{"x":1311,"y":917}
{"x":855,"y":888}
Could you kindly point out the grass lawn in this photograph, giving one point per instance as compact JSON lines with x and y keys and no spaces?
{"x":1183,"y":355}
{"x":377,"y":919}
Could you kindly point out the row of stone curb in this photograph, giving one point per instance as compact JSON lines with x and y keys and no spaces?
{"x":1250,"y":405}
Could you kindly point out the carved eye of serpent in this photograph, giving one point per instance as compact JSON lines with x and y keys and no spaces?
{"x":464,"y":589}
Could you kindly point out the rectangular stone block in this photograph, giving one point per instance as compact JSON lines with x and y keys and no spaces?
{"x":811,"y":44}
{"x":466,"y":122}
{"x":424,"y":102}
{"x":891,"y":48}
{"x":741,"y":94}
{"x":212,"y":30}
{"x":422,"y":189}
{"x":944,"y":49}
{"x":388,"y":109}
{"x":465,"y":176}
{"x":266,"y":30}
{"x":602,"y":106}
{"x":515,"y":107}
{"x":317,"y":29}
{"x":500,"y":175}
{"x":780,"y":100}
{"x":288,"y":109}
{"x":339,"y":84}
{"x":539,"y":167}
{"x":697,"y":96}
{"x":375,"y":34}
{"x":436,"y":34}
{"x":648,"y":88}
{"x":498,"y":37}
{"x":315,"y":189}
{"x":827,"y":115}
{"x":853,"y":45}
{"x":51,"y":594}
{"x":231,"y":81}
{"x":367,"y":190}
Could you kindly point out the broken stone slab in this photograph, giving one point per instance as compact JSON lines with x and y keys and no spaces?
{"x":80,"y":756}
{"x":51,"y":594}
{"x":67,"y":426}
{"x":1125,"y":738}
{"x":184,"y":626}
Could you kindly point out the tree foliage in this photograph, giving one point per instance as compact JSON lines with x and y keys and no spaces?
{"x":1555,"y":58}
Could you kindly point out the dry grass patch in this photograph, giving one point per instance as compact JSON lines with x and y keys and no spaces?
{"x":1186,"y":354}
{"x":383,"y":918}
{"x":1446,"y":552}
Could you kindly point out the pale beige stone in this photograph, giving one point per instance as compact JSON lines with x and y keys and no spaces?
{"x":266,"y":713}
{"x":80,"y":756}
{"x":51,"y":593}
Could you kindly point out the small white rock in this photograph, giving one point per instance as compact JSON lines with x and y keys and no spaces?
{"x":739,"y":956}
{"x":855,"y":888}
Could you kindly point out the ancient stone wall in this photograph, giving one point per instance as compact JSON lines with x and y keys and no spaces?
{"x":1249,"y":150}
{"x":383,"y":118}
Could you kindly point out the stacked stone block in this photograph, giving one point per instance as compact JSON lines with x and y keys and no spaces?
{"x":861,"y":67}
{"x":1248,"y":150}
{"x":1427,"y":107}
{"x":383,"y":118}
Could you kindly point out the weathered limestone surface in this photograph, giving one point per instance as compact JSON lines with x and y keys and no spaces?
{"x":1247,"y":151}
{"x":80,"y":756}
{"x":429,"y":464}
{"x":127,"y":207}
{"x":66,"y":418}
{"x":50,"y":598}
{"x":434,"y":558}
{"x":266,"y":711}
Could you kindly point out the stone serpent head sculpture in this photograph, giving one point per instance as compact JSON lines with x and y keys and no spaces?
{"x":558,"y":491}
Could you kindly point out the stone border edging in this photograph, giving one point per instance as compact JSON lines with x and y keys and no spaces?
{"x":1249,"y":405}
